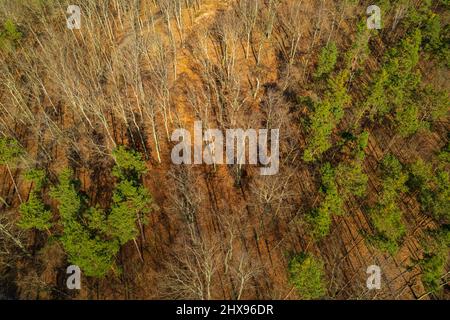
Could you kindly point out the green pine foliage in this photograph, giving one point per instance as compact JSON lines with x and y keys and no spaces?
{"x":386,"y":216}
{"x":319,"y":131}
{"x":402,"y":82}
{"x":440,"y":208}
{"x":90,"y":251}
{"x":377,"y":102}
{"x":332,"y":202}
{"x":358,"y":53}
{"x":435,"y":33}
{"x":408,"y":120}
{"x":444,"y":155}
{"x":307,"y":275}
{"x":83,"y":240}
{"x":338,"y":94}
{"x":92,"y":236}
{"x":9,"y":36}
{"x":338,"y":184}
{"x":319,"y":222}
{"x":129,"y":164}
{"x":70,"y":202}
{"x":396,"y":86}
{"x":433,"y":190}
{"x":131,"y":200}
{"x":319,"y":219}
{"x":435,"y":103}
{"x":10,"y":151}
{"x":327,"y":60}
{"x":325,"y":117}
{"x":130,"y":204}
{"x":363,"y":142}
{"x":34,"y":213}
{"x":350,"y":176}
{"x":434,"y":260}
{"x":351,"y":179}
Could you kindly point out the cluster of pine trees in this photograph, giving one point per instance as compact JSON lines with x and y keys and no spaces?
{"x":386,"y":215}
{"x":396,"y":95}
{"x":90,"y":235}
{"x":430,"y":183}
{"x":339,"y":184}
{"x":307,"y":276}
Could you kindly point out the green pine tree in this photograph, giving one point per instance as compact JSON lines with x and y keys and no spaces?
{"x":386,"y":216}
{"x":434,"y":260}
{"x":10,"y":151}
{"x":131,"y":201}
{"x":307,"y":275}
{"x":34,"y":213}
{"x":327,"y":60}
{"x":319,"y":131}
{"x":433,"y":190}
{"x":83,"y":240}
{"x":319,"y":218}
{"x":377,"y":102}
{"x":325,"y":117}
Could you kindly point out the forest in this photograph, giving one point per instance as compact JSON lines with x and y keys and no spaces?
{"x":87,"y":177}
